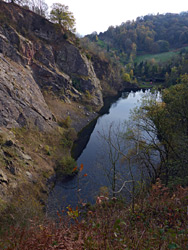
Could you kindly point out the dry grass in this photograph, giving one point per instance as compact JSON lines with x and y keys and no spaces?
{"x":77,"y":111}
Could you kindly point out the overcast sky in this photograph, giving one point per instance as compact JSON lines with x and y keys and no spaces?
{"x":98,"y":15}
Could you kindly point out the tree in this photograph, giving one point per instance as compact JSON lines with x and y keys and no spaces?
{"x":112,"y":155}
{"x":130,"y":160}
{"x":119,"y":157}
{"x":151,"y":153}
{"x":60,"y":14}
{"x":166,"y":124}
{"x":14,"y":1}
{"x":38,"y":6}
{"x":163,"y":45}
{"x":126,"y":77}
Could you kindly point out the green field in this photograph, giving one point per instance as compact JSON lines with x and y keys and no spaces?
{"x":162,"y":57}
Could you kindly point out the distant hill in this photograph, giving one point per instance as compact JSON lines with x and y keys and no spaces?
{"x":151,"y":49}
{"x":148,"y":34}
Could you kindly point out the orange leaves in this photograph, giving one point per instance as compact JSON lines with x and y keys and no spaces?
{"x":73,"y":213}
{"x":78,"y":170}
{"x":74,"y":169}
{"x":81,"y":167}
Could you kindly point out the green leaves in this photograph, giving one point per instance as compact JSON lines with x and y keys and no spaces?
{"x":173,"y":246}
{"x":60,"y":14}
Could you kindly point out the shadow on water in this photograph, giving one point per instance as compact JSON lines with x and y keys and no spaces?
{"x":86,"y":150}
{"x":84,"y":135}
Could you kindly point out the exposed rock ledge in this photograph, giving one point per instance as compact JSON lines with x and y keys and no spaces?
{"x":44,"y":77}
{"x":35,"y":56}
{"x":21,"y":100}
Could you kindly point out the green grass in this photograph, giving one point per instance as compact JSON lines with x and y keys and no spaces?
{"x":162,"y":57}
{"x":145,"y":85}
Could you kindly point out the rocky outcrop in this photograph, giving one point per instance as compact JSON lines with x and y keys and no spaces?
{"x":35,"y":55}
{"x":109,"y":75}
{"x":72,"y":62}
{"x":44,"y":77}
{"x":3,"y":177}
{"x":21,"y":101}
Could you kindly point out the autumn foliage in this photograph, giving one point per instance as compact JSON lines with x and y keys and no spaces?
{"x":160,"y":221}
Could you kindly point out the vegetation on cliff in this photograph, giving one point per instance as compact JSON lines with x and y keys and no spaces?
{"x":48,"y":84}
{"x":41,"y":106}
{"x":60,"y":14}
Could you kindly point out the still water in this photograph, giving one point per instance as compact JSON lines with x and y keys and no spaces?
{"x":96,"y":159}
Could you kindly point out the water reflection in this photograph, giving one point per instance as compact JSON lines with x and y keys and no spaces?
{"x":96,"y":159}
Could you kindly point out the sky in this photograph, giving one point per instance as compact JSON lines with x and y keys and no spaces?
{"x":98,"y":15}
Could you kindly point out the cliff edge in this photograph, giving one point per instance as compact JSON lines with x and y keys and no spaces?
{"x":44,"y":78}
{"x":38,"y":56}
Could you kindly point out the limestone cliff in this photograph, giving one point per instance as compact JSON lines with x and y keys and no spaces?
{"x":44,"y":77}
{"x":35,"y":55}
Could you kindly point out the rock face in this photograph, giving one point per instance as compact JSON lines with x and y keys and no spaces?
{"x":43,"y":74}
{"x":108,"y":74}
{"x":3,"y":177}
{"x":72,"y":62}
{"x":36,"y":56}
{"x":21,"y":100}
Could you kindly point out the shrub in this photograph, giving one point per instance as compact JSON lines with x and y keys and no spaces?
{"x":65,"y":36}
{"x":65,"y":166}
{"x":88,"y":95}
{"x":47,"y":150}
{"x":68,"y":137}
{"x":22,"y":209}
{"x":76,"y":84}
{"x":89,"y":108}
{"x":66,"y":122}
{"x":88,"y":56}
{"x":159,"y":222}
{"x":2,"y":139}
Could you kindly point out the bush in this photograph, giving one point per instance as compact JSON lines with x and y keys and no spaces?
{"x":158,"y":222}
{"x":2,"y":139}
{"x":68,"y":137}
{"x":77,"y":84}
{"x":65,"y":166}
{"x":65,"y":36}
{"x":22,"y":209}
{"x":47,"y":150}
{"x":88,"y":56}
{"x":66,"y":122}
{"x":88,"y":95}
{"x":89,"y":108}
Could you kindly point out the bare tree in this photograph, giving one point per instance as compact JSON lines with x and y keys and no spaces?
{"x":38,"y":6}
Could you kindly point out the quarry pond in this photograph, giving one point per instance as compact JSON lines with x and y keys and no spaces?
{"x":96,"y":159}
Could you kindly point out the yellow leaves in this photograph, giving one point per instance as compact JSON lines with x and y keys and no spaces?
{"x":69,"y":208}
{"x":41,"y":227}
{"x":73,"y":213}
{"x":161,"y":104}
